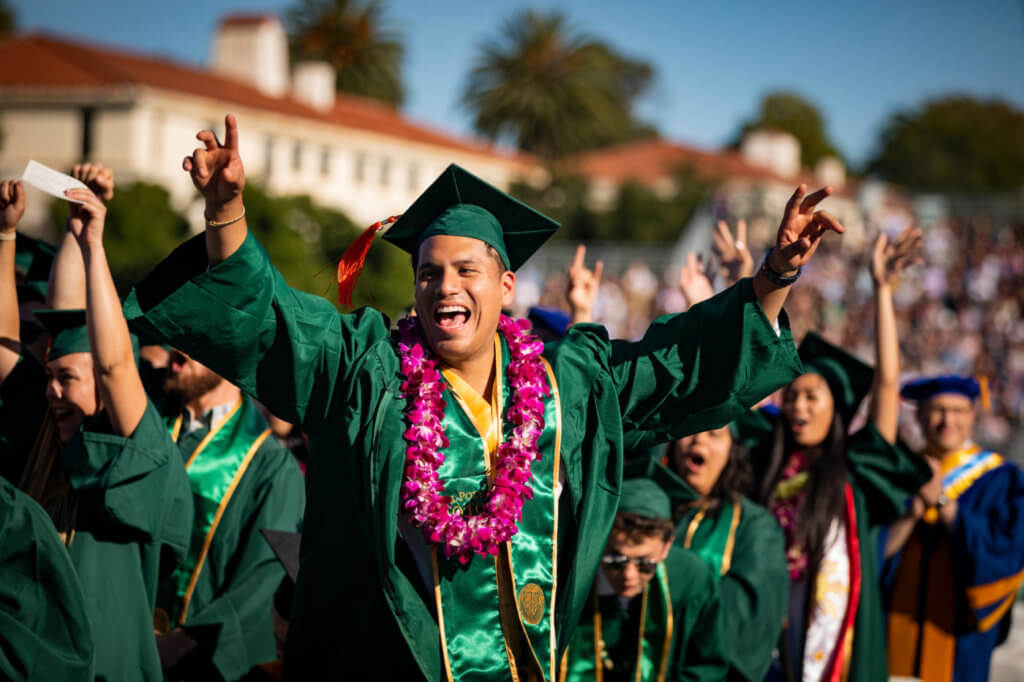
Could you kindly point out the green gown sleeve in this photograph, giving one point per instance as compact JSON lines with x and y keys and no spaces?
{"x":143,"y":487}
{"x":44,"y":631}
{"x":698,"y":653}
{"x":22,"y":408}
{"x":290,"y":350}
{"x":235,"y":629}
{"x":755,"y":594}
{"x":885,"y":474}
{"x":697,"y":370}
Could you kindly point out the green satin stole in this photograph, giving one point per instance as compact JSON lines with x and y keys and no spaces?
{"x":494,"y":611}
{"x":587,"y":655}
{"x":214,"y":469}
{"x":714,"y":540}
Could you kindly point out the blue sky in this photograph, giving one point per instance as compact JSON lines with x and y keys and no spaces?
{"x":858,"y":62}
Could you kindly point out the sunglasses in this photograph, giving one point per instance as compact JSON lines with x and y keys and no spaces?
{"x":618,"y":562}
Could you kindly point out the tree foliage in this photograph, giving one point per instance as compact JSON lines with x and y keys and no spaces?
{"x":8,"y":19}
{"x":355,"y":37}
{"x":792,"y":113}
{"x":552,"y":90}
{"x":954,"y":144}
{"x":638,"y":214}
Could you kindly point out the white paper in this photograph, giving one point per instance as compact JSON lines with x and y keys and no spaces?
{"x":51,"y":181}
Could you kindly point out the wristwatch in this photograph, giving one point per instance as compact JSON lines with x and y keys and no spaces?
{"x":774,"y":277}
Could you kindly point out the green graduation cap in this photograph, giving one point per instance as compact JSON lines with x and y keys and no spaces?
{"x":848,"y":378}
{"x":68,"y":332}
{"x":462,"y":205}
{"x":648,"y":468}
{"x":644,"y":497}
{"x":459,"y":203}
{"x":33,"y":258}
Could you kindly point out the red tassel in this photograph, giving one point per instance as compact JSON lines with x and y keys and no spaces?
{"x":351,"y":264}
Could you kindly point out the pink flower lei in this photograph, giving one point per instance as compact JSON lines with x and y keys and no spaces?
{"x":423,"y":491}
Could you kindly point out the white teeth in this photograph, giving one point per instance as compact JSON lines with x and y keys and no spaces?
{"x":452,"y":309}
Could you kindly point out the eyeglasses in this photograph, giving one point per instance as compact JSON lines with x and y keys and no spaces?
{"x":618,"y":562}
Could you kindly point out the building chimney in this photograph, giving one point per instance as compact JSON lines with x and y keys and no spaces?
{"x":774,"y":150}
{"x":253,"y":48}
{"x":313,"y":84}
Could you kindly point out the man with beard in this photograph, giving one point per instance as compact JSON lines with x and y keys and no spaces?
{"x":463,"y":477}
{"x":214,"y":617}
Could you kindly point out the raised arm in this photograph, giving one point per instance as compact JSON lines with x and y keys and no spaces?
{"x":218,"y":174}
{"x":888,"y":260}
{"x":12,"y":207}
{"x":584,"y":284}
{"x":67,"y":276}
{"x":733,"y":253}
{"x":120,"y":386}
{"x":799,"y":235}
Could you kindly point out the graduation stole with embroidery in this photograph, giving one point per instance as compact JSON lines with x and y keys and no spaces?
{"x":495,"y":612}
{"x":714,"y":541}
{"x":588,"y":657}
{"x":214,"y":469}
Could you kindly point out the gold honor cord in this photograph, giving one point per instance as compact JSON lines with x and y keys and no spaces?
{"x":669,"y":627}
{"x":440,"y":613}
{"x":554,"y":536}
{"x":730,"y":544}
{"x":216,"y":522}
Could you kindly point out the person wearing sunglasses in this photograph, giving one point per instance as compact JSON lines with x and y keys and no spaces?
{"x":654,"y":611}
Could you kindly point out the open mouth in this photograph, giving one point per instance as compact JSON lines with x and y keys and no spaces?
{"x":63,"y":414}
{"x":177,"y":362}
{"x":451,"y":317}
{"x":798,"y":424}
{"x":694,"y":461}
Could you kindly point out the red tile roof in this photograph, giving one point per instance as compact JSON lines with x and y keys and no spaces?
{"x":648,"y":161}
{"x":47,"y":62}
{"x":248,"y":19}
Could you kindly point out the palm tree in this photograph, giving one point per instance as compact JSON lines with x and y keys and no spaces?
{"x":552,"y":90}
{"x":355,"y":38}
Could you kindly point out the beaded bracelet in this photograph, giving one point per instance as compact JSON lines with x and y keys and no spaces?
{"x":225,"y":223}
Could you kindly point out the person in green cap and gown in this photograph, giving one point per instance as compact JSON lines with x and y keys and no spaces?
{"x":103,"y":465}
{"x":829,"y":491}
{"x":44,"y":631}
{"x":214,"y":614}
{"x":462,"y":477}
{"x":654,"y":612}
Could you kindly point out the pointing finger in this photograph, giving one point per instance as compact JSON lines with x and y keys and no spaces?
{"x":741,"y":233}
{"x":794,"y":201}
{"x":814,"y":199}
{"x":207,"y":138}
{"x":598,"y":269}
{"x":580,"y":258}
{"x":230,"y":132}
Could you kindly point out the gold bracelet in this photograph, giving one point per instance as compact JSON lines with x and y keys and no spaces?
{"x":225,"y":223}
{"x":8,"y":236}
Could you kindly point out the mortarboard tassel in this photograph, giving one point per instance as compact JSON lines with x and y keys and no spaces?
{"x":984,"y":395}
{"x":350,"y":266}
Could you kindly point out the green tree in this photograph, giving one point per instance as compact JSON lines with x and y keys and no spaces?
{"x":8,"y":19}
{"x":955,"y":143}
{"x":552,"y":90}
{"x":792,"y":113}
{"x":356,"y":38}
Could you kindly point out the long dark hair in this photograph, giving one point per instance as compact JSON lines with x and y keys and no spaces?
{"x":825,"y":499}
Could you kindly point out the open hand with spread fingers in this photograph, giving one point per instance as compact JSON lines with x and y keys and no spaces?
{"x":801,"y":231}
{"x":216,"y":169}
{"x":889,"y":258}
{"x":734,"y":257}
{"x":96,"y":177}
{"x":584,"y":284}
{"x":694,"y":281}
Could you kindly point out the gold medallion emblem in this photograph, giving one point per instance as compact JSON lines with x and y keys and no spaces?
{"x":161,"y":621}
{"x":531,"y":603}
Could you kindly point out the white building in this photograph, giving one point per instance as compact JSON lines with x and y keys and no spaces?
{"x":66,"y":102}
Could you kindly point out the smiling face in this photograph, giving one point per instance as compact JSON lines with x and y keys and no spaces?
{"x":809,"y":408}
{"x":71,"y":392}
{"x":946,"y":421}
{"x":700,"y":458}
{"x":461,"y":288}
{"x":628,"y":580}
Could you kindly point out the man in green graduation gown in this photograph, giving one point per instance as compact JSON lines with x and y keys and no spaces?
{"x":44,"y":632}
{"x":217,"y":605}
{"x":655,"y":611}
{"x":103,"y":465}
{"x":446,"y":538}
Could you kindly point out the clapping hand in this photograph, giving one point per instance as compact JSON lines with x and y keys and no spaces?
{"x":216,"y":168}
{"x":734,"y":257}
{"x":801,"y":230}
{"x":97,"y":177}
{"x":890,"y":258}
{"x":694,"y":282}
{"x":12,"y":205}
{"x":583,"y":286}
